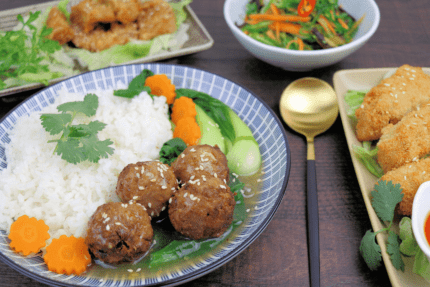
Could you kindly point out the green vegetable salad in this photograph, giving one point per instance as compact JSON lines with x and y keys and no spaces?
{"x":277,"y":23}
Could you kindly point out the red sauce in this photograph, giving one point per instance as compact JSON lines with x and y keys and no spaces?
{"x":427,"y":228}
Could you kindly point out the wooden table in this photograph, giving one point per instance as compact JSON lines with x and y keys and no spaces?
{"x":278,"y":257}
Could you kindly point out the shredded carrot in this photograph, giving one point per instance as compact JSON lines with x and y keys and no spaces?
{"x":282,"y":18}
{"x":298,"y":41}
{"x":274,"y":9}
{"x":67,"y":255}
{"x":183,"y":107}
{"x":28,"y":235}
{"x":271,"y":35}
{"x":252,"y":22}
{"x":342,"y":23}
{"x":277,"y":29}
{"x":301,"y":44}
{"x":188,"y":130}
{"x":161,"y":86}
{"x":290,"y":28}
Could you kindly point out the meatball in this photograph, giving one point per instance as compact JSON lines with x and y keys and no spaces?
{"x":201,"y":160}
{"x":202,"y":208}
{"x":150,"y":183}
{"x":119,"y":232}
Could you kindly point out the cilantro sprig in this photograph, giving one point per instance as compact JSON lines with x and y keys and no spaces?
{"x":77,"y":142}
{"x":385,"y":197}
{"x":21,"y":52}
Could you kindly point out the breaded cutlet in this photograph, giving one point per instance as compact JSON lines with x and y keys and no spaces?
{"x":410,"y":177}
{"x":406,"y":141}
{"x":390,"y":100}
{"x":61,"y":30}
{"x":156,"y":18}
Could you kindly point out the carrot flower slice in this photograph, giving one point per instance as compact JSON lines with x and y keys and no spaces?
{"x":28,"y":235}
{"x":67,"y":255}
{"x":161,"y":85}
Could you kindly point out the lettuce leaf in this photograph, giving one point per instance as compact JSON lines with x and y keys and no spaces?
{"x":368,"y":156}
{"x":353,"y":100}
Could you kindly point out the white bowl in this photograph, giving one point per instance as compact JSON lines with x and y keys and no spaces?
{"x":420,"y":211}
{"x":292,"y":60}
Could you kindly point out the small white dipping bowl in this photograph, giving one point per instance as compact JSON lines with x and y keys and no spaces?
{"x":292,"y":60}
{"x":420,"y":211}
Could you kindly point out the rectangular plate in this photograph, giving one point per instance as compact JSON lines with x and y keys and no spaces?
{"x":199,"y":39}
{"x":365,"y":79}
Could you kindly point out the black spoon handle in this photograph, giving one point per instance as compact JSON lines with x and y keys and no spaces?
{"x":313,"y":225}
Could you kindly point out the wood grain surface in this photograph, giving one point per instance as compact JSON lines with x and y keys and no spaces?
{"x":278,"y":257}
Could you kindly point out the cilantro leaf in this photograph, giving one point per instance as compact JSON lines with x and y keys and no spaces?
{"x":88,"y":106}
{"x":55,"y":123}
{"x":95,"y":149}
{"x":370,"y":250}
{"x":386,"y":196}
{"x":393,"y":248}
{"x":69,"y":150}
{"x":77,"y":142}
{"x":23,"y":50}
{"x":171,"y":150}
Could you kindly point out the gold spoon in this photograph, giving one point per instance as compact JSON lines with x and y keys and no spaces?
{"x":309,"y":106}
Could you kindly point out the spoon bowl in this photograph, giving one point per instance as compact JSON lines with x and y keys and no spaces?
{"x":309,"y":106}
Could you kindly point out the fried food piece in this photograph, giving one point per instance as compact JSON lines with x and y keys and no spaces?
{"x":410,"y":177}
{"x":156,"y":18}
{"x":406,"y":141}
{"x":88,"y":13}
{"x":126,"y":11}
{"x":61,"y":30}
{"x":390,"y":100}
{"x":100,"y":39}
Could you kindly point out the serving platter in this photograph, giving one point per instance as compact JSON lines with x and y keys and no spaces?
{"x":362,"y":80}
{"x":199,"y":39}
{"x":272,"y":181}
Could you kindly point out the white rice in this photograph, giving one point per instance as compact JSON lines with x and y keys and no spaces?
{"x":40,"y":184}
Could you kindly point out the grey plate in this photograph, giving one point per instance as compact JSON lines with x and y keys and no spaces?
{"x":199,"y":40}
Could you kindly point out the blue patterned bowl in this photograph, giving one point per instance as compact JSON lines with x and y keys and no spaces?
{"x":267,"y":130}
